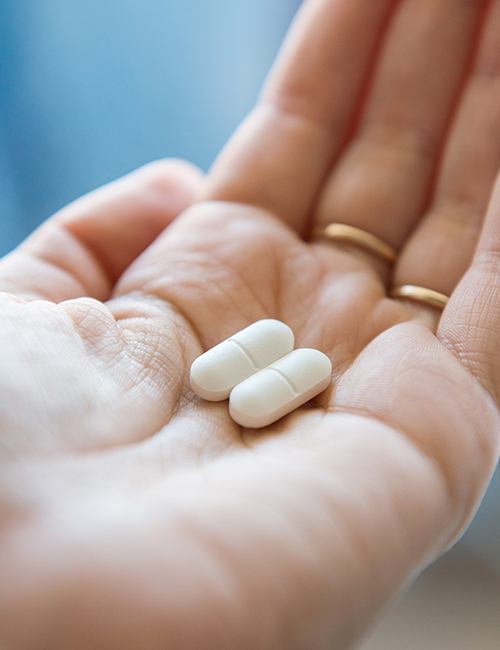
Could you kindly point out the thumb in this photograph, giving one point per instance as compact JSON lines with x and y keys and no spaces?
{"x":85,"y":247}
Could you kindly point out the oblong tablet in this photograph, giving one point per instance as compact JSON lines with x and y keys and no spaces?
{"x":215,"y":373}
{"x":280,"y":388}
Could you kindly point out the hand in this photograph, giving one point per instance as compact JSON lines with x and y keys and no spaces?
{"x":135,"y":515}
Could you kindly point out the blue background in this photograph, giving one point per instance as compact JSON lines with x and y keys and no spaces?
{"x":90,"y":90}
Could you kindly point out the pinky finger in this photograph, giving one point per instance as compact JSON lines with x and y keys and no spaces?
{"x":471,"y":323}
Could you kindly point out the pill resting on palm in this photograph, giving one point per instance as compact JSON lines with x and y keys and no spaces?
{"x":280,"y":388}
{"x":220,"y":369}
{"x":261,"y":374}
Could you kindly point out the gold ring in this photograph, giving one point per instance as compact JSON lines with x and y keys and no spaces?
{"x":427,"y":297}
{"x":349,"y":234}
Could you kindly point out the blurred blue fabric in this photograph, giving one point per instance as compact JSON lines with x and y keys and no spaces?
{"x":90,"y":90}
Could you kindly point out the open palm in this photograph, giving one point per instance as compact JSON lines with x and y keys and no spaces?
{"x":133,"y":514}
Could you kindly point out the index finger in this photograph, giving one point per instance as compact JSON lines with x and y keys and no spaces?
{"x":278,"y":158}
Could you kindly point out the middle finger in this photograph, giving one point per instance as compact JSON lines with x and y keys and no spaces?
{"x":382,"y":182}
{"x":440,"y":250}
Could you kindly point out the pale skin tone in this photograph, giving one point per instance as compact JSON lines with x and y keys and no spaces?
{"x":134,"y":515}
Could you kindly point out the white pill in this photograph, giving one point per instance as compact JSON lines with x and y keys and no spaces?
{"x":280,"y":388}
{"x":217,"y":371}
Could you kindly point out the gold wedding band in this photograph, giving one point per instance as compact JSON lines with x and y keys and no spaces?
{"x":341,"y":232}
{"x":423,"y":295}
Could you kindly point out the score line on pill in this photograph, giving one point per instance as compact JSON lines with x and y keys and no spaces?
{"x":216,"y":372}
{"x":261,"y":373}
{"x":280,"y":388}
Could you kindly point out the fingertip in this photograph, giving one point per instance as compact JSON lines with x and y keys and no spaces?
{"x":122,"y":219}
{"x":175,"y":179}
{"x":92,"y":241}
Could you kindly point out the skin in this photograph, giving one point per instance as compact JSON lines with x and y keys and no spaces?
{"x":133,"y":514}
